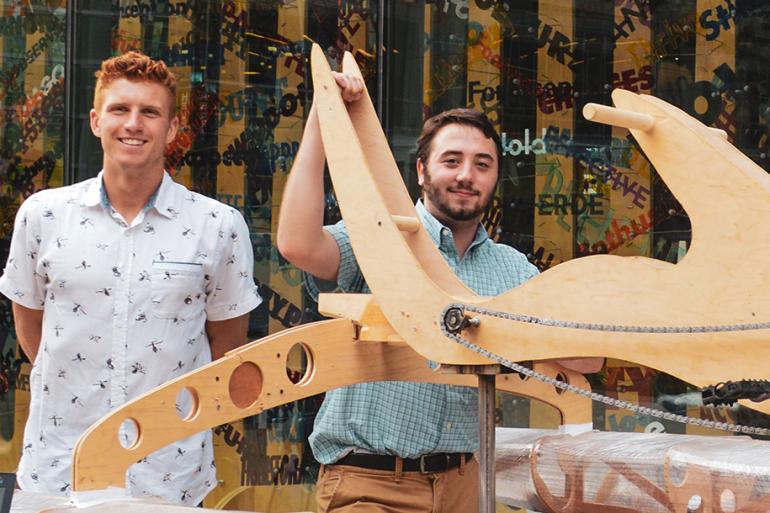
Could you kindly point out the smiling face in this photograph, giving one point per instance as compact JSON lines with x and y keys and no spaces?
{"x":459,"y":178}
{"x":135,"y":122}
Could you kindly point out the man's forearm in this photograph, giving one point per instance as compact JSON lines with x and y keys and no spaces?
{"x":29,"y":329}
{"x":226,"y":335}
{"x":302,"y":202}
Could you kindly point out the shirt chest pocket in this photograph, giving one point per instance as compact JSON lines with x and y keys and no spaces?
{"x":177,"y":290}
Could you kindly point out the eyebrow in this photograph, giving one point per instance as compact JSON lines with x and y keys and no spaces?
{"x":456,"y":153}
{"x":126,"y":104}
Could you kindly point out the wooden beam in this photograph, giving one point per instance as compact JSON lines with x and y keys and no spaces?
{"x":253,"y":378}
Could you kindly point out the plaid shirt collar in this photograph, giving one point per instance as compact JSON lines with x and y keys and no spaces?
{"x":442,"y":235}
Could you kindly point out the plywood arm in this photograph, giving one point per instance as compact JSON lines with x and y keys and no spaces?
{"x":627,"y":119}
{"x":253,"y":378}
{"x":407,"y":224}
{"x":617,"y":117}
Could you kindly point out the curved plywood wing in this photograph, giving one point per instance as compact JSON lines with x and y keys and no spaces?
{"x":368,"y":200}
{"x":721,"y":282}
{"x":336,"y":358}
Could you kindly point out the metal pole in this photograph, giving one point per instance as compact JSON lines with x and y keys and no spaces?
{"x":486,"y":443}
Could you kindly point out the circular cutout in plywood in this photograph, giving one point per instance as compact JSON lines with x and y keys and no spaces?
{"x":299,"y":364}
{"x":128,"y":433}
{"x":245,"y":384}
{"x":187,"y":403}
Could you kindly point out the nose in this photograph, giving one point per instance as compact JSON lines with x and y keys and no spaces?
{"x":133,"y":121}
{"x":465,"y":172}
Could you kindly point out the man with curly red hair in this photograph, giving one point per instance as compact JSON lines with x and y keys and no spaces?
{"x":122,"y":282}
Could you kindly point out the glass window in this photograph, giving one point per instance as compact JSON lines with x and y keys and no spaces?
{"x":32,"y":68}
{"x":568,"y":188}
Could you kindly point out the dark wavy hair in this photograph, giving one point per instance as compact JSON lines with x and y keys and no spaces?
{"x":461,"y":116}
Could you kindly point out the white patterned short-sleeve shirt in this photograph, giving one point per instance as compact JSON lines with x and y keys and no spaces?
{"x":124,"y":310}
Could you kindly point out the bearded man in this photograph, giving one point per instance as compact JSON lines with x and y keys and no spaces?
{"x":396,"y":446}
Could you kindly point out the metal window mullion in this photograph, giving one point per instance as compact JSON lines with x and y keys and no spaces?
{"x":69,"y":91}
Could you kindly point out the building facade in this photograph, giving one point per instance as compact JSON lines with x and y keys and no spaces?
{"x":568,"y":188}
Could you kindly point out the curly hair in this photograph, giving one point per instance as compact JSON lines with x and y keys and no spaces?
{"x":134,"y":66}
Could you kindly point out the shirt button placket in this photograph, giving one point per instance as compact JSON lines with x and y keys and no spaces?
{"x":119,"y":384}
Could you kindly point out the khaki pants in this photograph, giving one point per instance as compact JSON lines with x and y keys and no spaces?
{"x":348,"y":489}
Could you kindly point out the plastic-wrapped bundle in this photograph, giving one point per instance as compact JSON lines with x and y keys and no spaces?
{"x":605,"y":472}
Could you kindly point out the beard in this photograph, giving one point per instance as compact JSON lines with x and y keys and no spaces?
{"x":440,"y":199}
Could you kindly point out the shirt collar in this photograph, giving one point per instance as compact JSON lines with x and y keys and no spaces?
{"x":93,"y":195}
{"x":165,"y":200}
{"x":162,"y":199}
{"x":442,"y":235}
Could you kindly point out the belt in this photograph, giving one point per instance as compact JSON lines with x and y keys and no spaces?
{"x":425,"y":464}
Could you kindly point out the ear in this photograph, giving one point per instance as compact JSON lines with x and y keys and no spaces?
{"x":420,"y":172}
{"x":172,"y":129}
{"x":93,"y":117}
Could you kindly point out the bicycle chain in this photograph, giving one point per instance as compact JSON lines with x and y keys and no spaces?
{"x":594,"y":396}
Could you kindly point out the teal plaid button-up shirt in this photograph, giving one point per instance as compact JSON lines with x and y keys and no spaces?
{"x":412,"y":419}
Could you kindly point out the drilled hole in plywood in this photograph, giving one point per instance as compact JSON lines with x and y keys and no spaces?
{"x":529,"y":365}
{"x":299,"y":364}
{"x":128,"y":433}
{"x":727,"y":501}
{"x":701,"y":105}
{"x":695,"y":504}
{"x":245,"y":385}
{"x":563,"y":378}
{"x":677,"y":474}
{"x":187,"y":403}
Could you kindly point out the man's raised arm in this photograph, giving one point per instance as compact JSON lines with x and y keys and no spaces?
{"x":301,"y":238}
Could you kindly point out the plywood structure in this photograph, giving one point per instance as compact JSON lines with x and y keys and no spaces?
{"x":687,"y":303}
